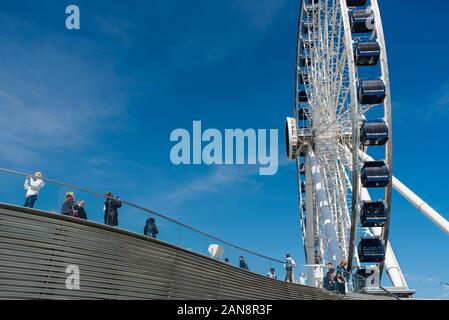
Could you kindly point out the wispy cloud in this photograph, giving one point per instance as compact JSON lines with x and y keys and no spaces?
{"x":213,"y":183}
{"x":226,"y":180}
{"x":261,"y":13}
{"x":115,"y":28}
{"x":435,"y":105}
{"x":52,"y":98}
{"x":441,"y":102}
{"x":430,"y":284}
{"x":422,"y":278}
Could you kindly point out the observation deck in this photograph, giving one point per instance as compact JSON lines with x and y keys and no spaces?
{"x":37,"y":247}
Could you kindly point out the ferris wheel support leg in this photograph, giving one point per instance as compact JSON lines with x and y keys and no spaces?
{"x":419,"y":203}
{"x":422,"y":206}
{"x":322,"y":205}
{"x":310,"y":223}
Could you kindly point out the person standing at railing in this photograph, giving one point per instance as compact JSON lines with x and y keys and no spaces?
{"x":319,"y":276}
{"x":111,"y":206}
{"x":151,"y":228}
{"x":341,"y":286}
{"x":289,"y":266}
{"x":242,"y":263}
{"x":341,"y":277}
{"x":79,"y":206}
{"x":327,"y":283}
{"x":302,"y":279}
{"x":68,"y":207}
{"x":32,"y":186}
{"x":332,"y":284}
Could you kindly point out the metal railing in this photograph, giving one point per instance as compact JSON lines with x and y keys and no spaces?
{"x":171,"y":230}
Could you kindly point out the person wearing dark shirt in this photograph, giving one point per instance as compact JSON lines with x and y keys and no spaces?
{"x":81,"y":211}
{"x":243,"y":264}
{"x":151,"y":228}
{"x":68,"y":206}
{"x":111,"y":206}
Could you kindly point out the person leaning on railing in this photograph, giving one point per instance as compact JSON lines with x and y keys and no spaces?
{"x":32,"y":186}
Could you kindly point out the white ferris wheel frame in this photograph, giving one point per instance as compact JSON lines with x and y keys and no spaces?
{"x":323,"y":234}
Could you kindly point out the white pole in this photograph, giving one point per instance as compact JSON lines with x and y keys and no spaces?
{"x":310,"y":214}
{"x":325,"y":212}
{"x":421,"y":205}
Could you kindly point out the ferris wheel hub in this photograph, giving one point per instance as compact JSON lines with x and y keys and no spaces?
{"x":297,"y":139}
{"x":292,"y":140}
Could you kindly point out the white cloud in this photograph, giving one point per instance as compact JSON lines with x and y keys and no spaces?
{"x":116,"y":28}
{"x":220,"y":180}
{"x":212,"y":183}
{"x":441,"y":103}
{"x":437,"y":106}
{"x":261,"y":13}
{"x":53,"y":98}
{"x":423,"y":278}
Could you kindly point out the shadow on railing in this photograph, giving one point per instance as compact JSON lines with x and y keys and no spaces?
{"x":99,"y":208}
{"x":391,"y":294}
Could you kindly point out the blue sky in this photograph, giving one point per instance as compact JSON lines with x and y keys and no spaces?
{"x":96,"y":107}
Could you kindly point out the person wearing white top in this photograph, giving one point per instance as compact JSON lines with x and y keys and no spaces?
{"x":32,"y":186}
{"x":318,"y":273}
{"x":302,"y":279}
{"x":272,"y":274}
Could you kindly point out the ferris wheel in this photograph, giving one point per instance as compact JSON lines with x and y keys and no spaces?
{"x":342,"y":123}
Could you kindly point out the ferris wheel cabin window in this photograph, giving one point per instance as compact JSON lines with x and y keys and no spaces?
{"x":367,"y":53}
{"x":371,"y":92}
{"x":374,"y":133}
{"x":375,"y":174}
{"x":373,"y":214}
{"x":356,"y":3}
{"x":371,"y":250}
{"x":362,"y":21}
